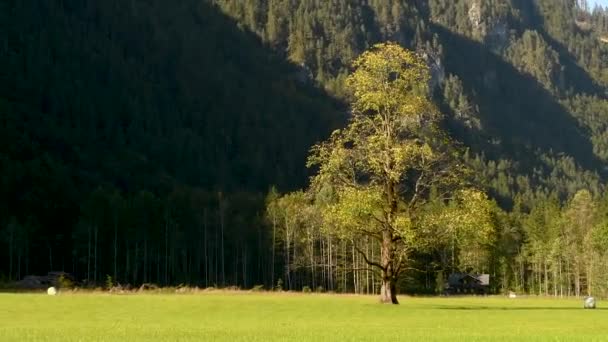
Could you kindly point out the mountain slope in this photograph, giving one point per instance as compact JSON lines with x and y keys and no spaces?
{"x":140,"y":96}
{"x":517,"y":66}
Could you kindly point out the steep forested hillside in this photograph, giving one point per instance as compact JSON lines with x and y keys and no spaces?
{"x":514,"y":75}
{"x":138,"y":138}
{"x":113,"y":101}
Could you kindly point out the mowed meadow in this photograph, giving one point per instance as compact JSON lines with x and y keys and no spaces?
{"x":242,"y":316}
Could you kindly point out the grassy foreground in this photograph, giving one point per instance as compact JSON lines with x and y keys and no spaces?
{"x":281,"y":317}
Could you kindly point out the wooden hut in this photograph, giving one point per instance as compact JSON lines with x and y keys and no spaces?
{"x":464,"y":283}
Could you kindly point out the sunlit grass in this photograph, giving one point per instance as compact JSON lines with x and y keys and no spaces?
{"x":240,"y":316}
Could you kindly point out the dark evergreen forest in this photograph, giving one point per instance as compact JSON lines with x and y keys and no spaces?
{"x":149,"y":141}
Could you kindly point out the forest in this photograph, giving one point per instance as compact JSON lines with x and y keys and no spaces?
{"x":167,"y":143}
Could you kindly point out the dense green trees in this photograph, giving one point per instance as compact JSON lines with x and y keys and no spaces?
{"x":141,"y":97}
{"x":561,"y":247}
{"x":541,"y":40}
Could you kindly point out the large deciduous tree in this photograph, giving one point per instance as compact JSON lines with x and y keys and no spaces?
{"x":379,"y":173}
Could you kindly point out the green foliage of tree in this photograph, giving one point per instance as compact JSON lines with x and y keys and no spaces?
{"x":385,"y":165}
{"x":531,"y":54}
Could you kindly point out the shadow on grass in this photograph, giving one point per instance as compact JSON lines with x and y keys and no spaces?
{"x":509,"y":308}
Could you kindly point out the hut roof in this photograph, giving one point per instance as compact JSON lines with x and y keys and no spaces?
{"x":460,"y":278}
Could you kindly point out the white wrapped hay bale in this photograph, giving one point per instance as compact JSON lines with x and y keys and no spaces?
{"x":51,"y":291}
{"x":590,"y":303}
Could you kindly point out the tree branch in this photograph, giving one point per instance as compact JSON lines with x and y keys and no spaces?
{"x":416,"y":190}
{"x":368,"y":269}
{"x":369,"y":262}
{"x":369,"y":233}
{"x":400,"y":263}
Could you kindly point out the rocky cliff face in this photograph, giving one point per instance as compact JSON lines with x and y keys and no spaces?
{"x":437,"y":68}
{"x":489,"y":26}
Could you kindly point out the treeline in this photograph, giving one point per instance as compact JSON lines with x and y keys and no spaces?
{"x":563,"y":247}
{"x":597,"y":15}
{"x":208,"y":239}
{"x":551,"y":249}
{"x":190,"y":236}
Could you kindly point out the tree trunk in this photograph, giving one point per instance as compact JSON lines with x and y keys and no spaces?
{"x":166,"y":279}
{"x":588,"y":276}
{"x":222,"y":253}
{"x":569,"y":278}
{"x":388,"y":291}
{"x":330,"y":275}
{"x":145,"y":275}
{"x":205,"y":252}
{"x":89,"y":255}
{"x":312,"y":262}
{"x":323,"y":268}
{"x":546,"y":279}
{"x":561,"y":280}
{"x":373,"y":273}
{"x":367,"y":268}
{"x":199,"y":254}
{"x":287,"y":256}
{"x":135,"y":265}
{"x":19,"y":265}
{"x":577,"y":279}
{"x":10,"y":252}
{"x":274,"y":230}
{"x":554,"y":268}
{"x":95,"y":257}
{"x":539,"y":279}
{"x":115,"y":249}
{"x":354,"y":268}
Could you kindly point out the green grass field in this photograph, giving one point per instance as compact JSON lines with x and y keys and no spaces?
{"x":242,"y":316}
